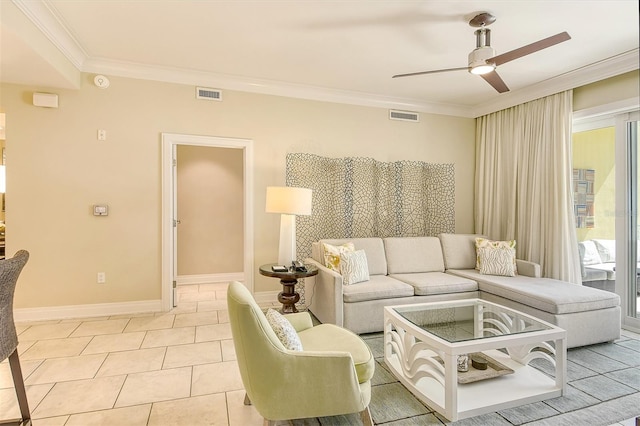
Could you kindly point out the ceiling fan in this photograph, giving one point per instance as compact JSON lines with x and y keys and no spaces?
{"x":483,"y":60}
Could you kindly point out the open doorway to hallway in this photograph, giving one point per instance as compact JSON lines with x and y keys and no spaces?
{"x":210,"y":231}
{"x":201,"y":261}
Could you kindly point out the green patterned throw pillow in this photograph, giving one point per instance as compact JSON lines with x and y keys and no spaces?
{"x":497,"y":261}
{"x":484,"y":243}
{"x":354,"y":267}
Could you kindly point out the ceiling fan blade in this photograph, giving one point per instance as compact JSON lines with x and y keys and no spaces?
{"x":495,"y":81}
{"x":429,"y":72}
{"x":530,"y":48}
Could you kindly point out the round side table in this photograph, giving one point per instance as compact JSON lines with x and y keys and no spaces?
{"x":288,"y":296}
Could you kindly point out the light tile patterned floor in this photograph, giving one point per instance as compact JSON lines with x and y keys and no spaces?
{"x":176,"y":368}
{"x":179,"y":368}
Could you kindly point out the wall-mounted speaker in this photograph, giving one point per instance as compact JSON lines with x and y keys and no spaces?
{"x":47,"y":100}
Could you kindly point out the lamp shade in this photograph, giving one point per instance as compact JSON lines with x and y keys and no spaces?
{"x":288,"y":200}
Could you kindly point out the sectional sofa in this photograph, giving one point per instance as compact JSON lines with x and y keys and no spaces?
{"x":427,"y":269}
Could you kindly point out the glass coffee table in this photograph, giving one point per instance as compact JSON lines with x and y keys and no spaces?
{"x":424,"y":343}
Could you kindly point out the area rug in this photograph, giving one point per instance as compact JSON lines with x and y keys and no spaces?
{"x":603,"y":389}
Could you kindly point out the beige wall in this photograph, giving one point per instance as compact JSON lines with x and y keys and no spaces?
{"x":57,"y":170}
{"x":595,"y":149}
{"x":623,"y":86}
{"x":209,"y":197}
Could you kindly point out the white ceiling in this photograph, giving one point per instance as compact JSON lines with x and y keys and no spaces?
{"x":343,"y":51}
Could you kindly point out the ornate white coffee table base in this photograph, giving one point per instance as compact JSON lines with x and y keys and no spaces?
{"x":414,"y":356}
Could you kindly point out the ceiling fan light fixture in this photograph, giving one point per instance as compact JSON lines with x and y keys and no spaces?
{"x":479,"y":60}
{"x":482,"y":69}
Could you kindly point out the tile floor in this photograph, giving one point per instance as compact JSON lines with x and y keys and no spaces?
{"x":175,"y":368}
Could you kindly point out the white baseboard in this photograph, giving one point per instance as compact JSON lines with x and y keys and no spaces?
{"x":109,"y":309}
{"x":209,"y":278}
{"x":86,"y":311}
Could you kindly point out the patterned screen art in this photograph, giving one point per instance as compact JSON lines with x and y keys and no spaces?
{"x":362,"y":197}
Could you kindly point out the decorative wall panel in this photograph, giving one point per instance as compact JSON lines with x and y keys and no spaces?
{"x":361,"y":197}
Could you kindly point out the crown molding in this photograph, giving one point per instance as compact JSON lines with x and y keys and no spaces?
{"x":616,"y":65}
{"x":44,"y":17}
{"x":47,"y":20}
{"x":266,"y":87}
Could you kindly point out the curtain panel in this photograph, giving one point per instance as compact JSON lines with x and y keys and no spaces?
{"x":523,"y":183}
{"x":361,"y":197}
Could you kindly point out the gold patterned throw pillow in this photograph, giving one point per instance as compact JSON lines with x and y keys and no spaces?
{"x":332,"y":254}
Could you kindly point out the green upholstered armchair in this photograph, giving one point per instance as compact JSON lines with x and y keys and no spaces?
{"x":330,"y":376}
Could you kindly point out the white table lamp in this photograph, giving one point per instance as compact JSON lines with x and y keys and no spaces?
{"x":289,"y":201}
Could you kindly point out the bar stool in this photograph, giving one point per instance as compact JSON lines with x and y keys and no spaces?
{"x":9,"y":271}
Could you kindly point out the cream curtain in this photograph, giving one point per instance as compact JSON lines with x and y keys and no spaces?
{"x":523,"y":183}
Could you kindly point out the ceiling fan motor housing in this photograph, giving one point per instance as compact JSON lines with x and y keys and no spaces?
{"x":478,"y":57}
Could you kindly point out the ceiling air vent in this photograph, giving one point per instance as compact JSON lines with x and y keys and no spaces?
{"x":208,"y":94}
{"x":404,"y":115}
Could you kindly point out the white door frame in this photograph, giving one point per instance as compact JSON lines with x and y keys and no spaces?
{"x":169,"y":141}
{"x":626,"y":259}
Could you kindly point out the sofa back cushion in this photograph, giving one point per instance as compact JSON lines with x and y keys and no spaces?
{"x":407,"y":255}
{"x":589,"y":254}
{"x":373,"y":247}
{"x":459,"y":250}
{"x":607,"y":250}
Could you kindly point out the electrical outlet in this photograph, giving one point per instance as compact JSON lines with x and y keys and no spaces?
{"x":102,"y":277}
{"x":102,"y":135}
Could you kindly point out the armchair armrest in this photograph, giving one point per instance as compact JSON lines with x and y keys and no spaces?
{"x":528,"y":269}
{"x":330,"y":385}
{"x":323,"y":294}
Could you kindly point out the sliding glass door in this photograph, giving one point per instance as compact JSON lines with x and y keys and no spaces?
{"x":627,"y":225}
{"x":606,"y":174}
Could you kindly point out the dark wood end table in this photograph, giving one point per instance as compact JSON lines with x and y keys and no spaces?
{"x":288,"y":296}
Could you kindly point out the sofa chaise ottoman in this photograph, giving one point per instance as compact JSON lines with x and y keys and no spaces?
{"x":589,"y":315}
{"x":409,"y":270}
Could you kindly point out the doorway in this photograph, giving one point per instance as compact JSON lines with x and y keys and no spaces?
{"x":170,"y":143}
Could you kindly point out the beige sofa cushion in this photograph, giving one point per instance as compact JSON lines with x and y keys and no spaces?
{"x":545,"y":294}
{"x":413,"y":254}
{"x":428,"y":283}
{"x":378,"y":287}
{"x":459,"y":250}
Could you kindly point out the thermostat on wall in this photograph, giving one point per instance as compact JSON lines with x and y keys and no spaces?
{"x":100,"y":210}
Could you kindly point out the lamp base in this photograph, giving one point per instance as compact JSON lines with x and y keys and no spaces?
{"x":287,"y":248}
